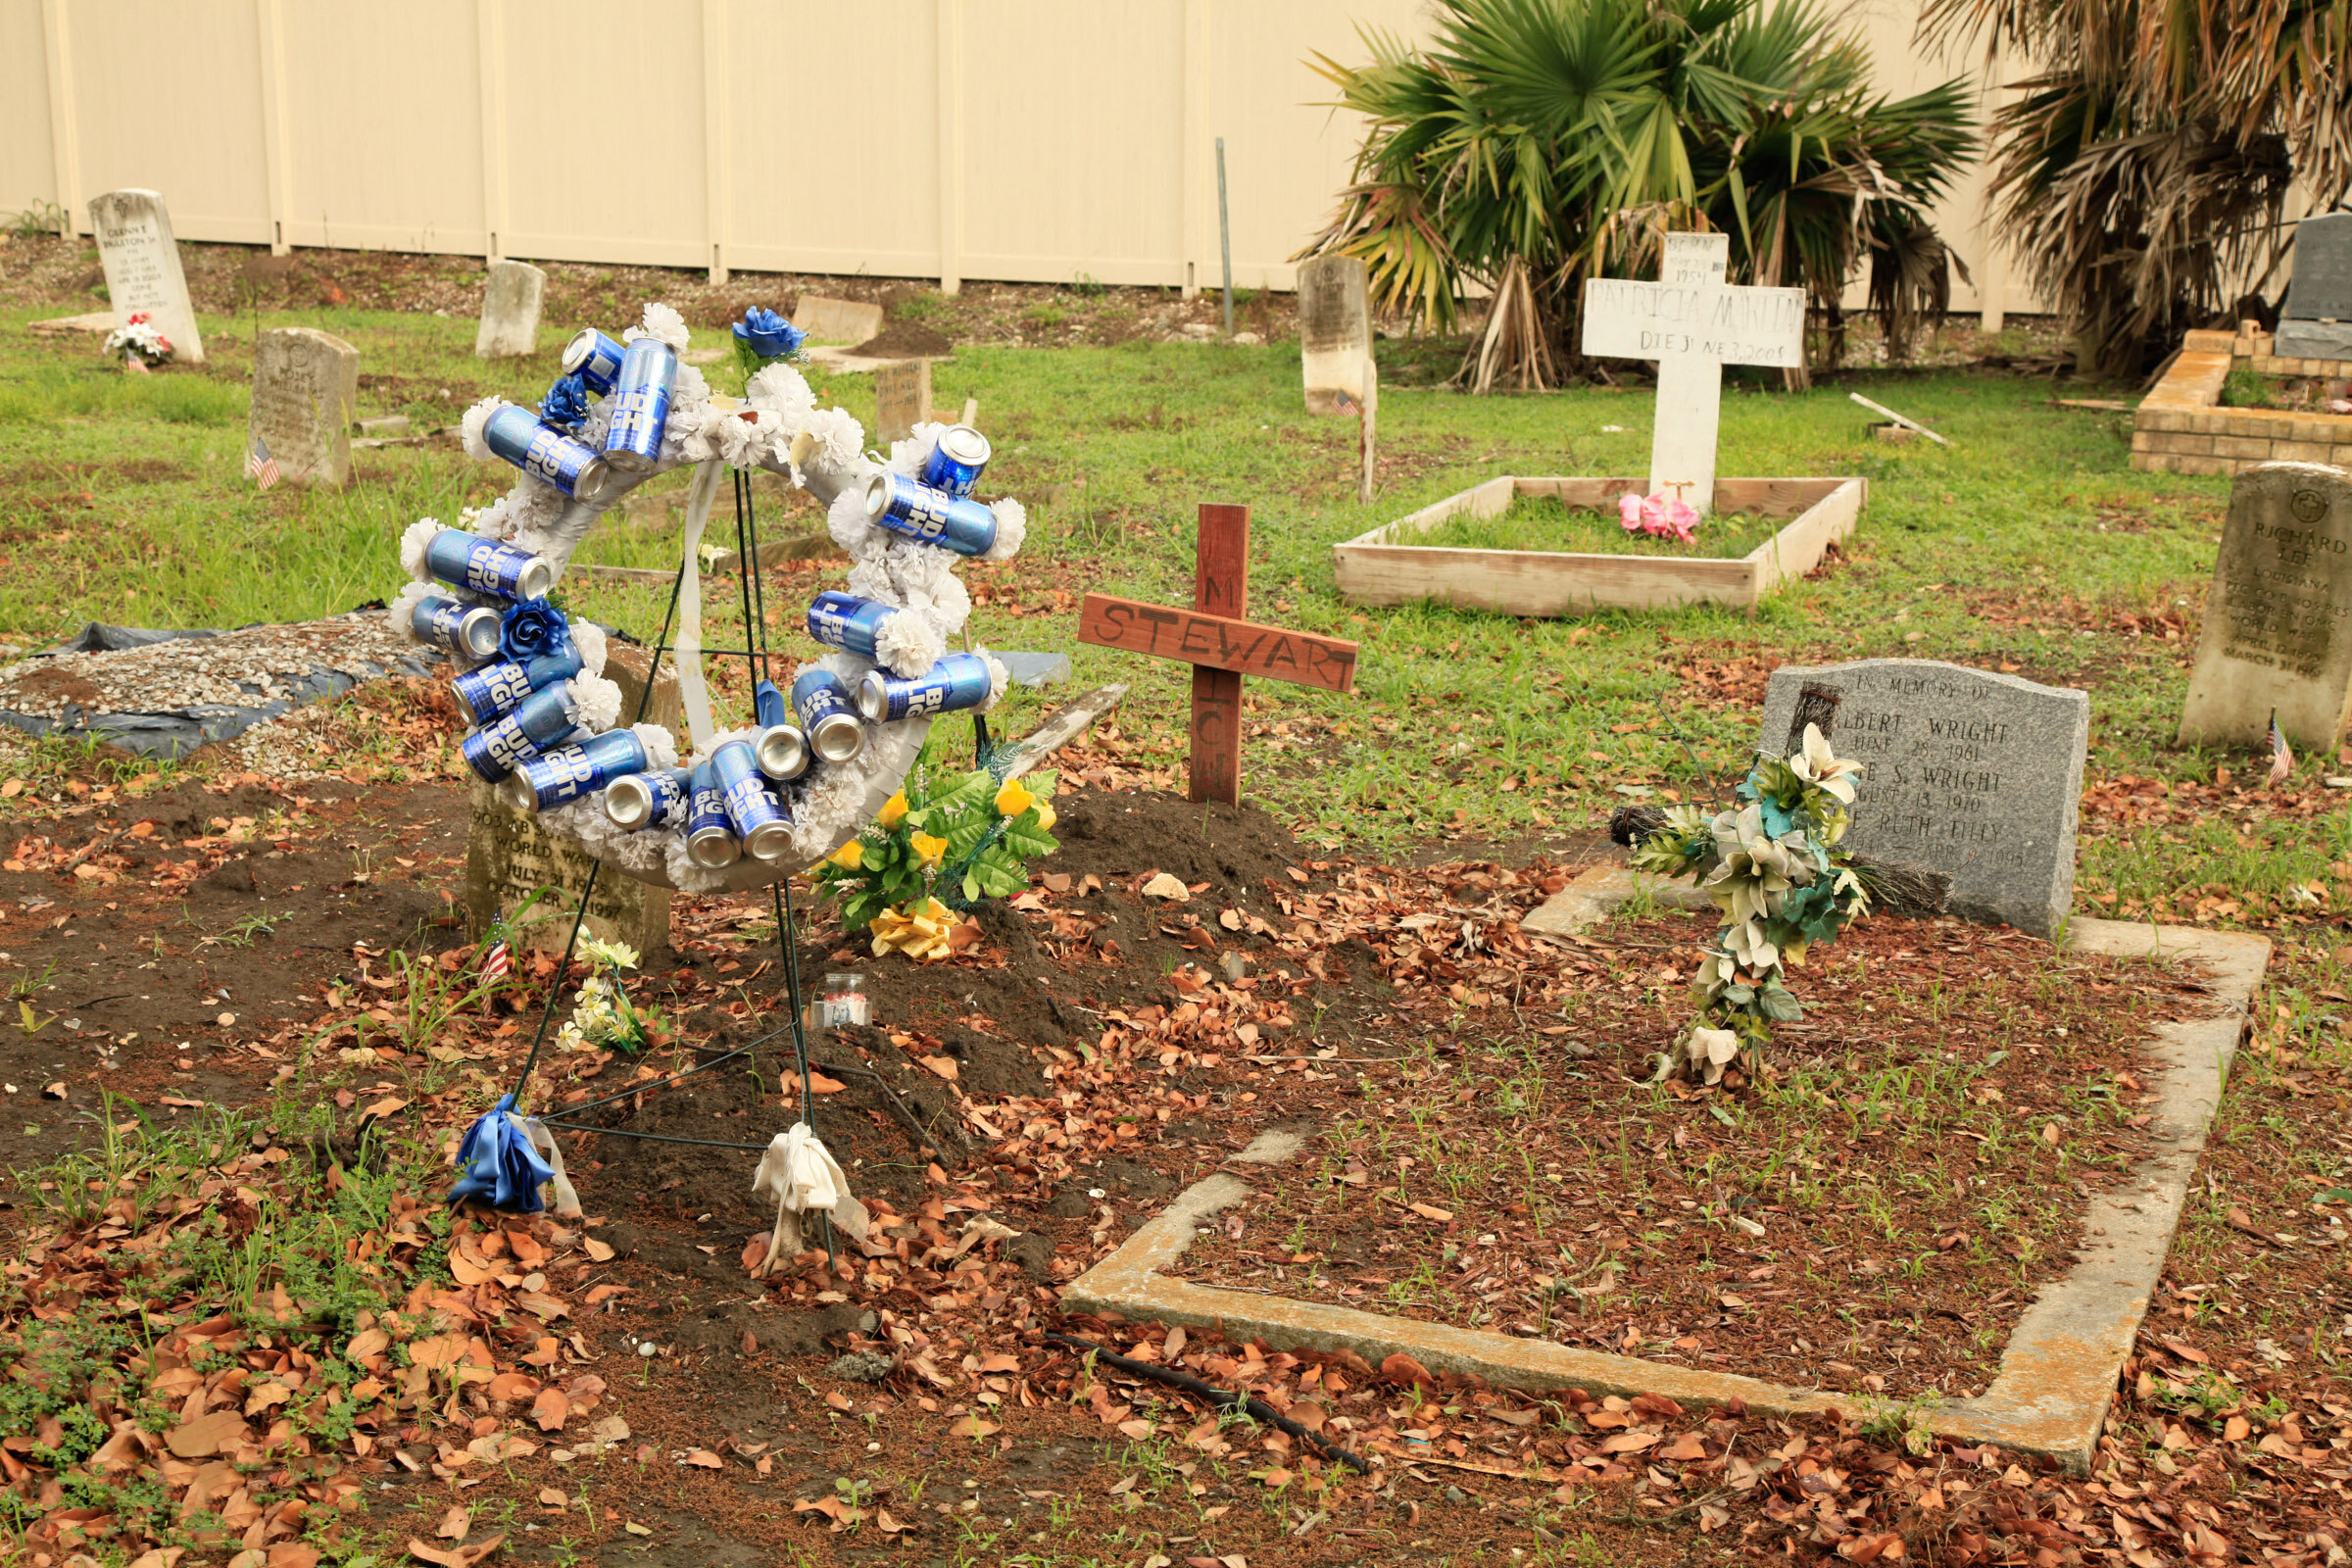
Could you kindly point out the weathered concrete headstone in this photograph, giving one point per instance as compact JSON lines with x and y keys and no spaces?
{"x":2278,"y":628}
{"x":1973,"y":774}
{"x":511,"y":311}
{"x":1694,"y":324}
{"x":2317,"y":321}
{"x":142,"y":267}
{"x":305,"y":384}
{"x":1334,"y":332}
{"x":832,"y":321}
{"x":509,"y":857}
{"x":902,"y":398}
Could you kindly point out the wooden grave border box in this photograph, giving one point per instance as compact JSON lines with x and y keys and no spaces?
{"x":1374,"y":568}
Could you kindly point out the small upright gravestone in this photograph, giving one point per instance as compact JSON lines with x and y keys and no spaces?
{"x":2316,"y":322}
{"x":1334,"y":332}
{"x":305,"y":384}
{"x":2278,"y":633}
{"x":1694,"y":324}
{"x":1972,"y":774}
{"x":508,"y":855}
{"x":902,"y":398}
{"x":832,"y":321}
{"x":142,"y":267}
{"x":511,"y":311}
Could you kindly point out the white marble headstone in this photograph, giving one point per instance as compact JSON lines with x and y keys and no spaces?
{"x":142,"y":267}
{"x":305,"y":384}
{"x":511,"y":311}
{"x":1334,"y":332}
{"x":2277,"y":632}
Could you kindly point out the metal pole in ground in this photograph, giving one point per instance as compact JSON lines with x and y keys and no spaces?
{"x":1225,"y":236}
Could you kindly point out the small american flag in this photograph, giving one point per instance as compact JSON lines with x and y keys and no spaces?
{"x":2283,"y":760}
{"x":495,"y":963}
{"x":260,"y":466}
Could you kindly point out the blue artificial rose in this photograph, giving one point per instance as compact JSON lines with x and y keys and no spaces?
{"x":768,"y":335}
{"x":565,"y":403}
{"x":532,"y":629}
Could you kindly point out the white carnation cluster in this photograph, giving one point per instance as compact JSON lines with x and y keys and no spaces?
{"x":776,"y":425}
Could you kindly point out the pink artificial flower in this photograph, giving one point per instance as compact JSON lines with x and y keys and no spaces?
{"x":1628,"y":513}
{"x":1675,"y":518}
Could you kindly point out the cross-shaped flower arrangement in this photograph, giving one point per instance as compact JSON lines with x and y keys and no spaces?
{"x":1773,"y":868}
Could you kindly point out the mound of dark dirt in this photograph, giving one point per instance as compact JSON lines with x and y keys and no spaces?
{"x":906,"y":340}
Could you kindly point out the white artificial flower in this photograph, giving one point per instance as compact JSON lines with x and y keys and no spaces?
{"x":1816,"y":763}
{"x":743,"y":437}
{"x":661,"y":321}
{"x":1750,"y":948}
{"x":783,"y":391}
{"x":596,"y":950}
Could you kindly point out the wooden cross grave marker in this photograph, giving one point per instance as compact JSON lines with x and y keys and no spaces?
{"x":1221,"y":647}
{"x":1694,"y":324}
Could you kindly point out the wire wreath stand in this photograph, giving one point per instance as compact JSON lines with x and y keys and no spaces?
{"x":755,"y":654}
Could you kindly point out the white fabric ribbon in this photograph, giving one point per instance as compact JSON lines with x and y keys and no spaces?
{"x":800,"y":1172}
{"x":567,"y":1204}
{"x":692,"y":694}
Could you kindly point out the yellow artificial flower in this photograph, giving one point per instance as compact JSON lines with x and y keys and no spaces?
{"x":893,"y":812}
{"x":1013,"y":799}
{"x":928,"y":850}
{"x":1045,"y":816}
{"x":917,"y":929}
{"x":850,"y":857}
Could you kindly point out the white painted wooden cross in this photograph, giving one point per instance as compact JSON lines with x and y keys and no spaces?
{"x":1694,"y":324}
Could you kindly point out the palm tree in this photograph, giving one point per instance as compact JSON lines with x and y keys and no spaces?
{"x":2144,"y":171}
{"x":1538,"y":142}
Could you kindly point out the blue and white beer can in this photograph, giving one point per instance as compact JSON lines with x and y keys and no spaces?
{"x":753,"y":809}
{"x":933,"y":515}
{"x":710,"y":842}
{"x":640,"y":404}
{"x":554,"y":777}
{"x":595,"y":358}
{"x":847,"y":622}
{"x":545,"y":453}
{"x":783,"y":752}
{"x":956,"y":465}
{"x":957,"y":682}
{"x":468,"y":560}
{"x":468,"y":629}
{"x":659,"y":799}
{"x":497,"y":689}
{"x":541,"y":723}
{"x":827,"y":711}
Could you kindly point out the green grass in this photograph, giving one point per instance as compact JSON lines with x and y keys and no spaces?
{"x":2028,"y":545}
{"x":1548,"y":525}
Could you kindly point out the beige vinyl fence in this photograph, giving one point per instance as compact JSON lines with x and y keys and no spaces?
{"x":1024,"y":140}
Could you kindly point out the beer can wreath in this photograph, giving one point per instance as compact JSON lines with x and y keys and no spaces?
{"x":716,"y":809}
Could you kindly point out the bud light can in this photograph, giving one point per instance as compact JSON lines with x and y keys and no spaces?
{"x":829,"y":715}
{"x":649,"y":372}
{"x":847,"y":622}
{"x":637,"y":801}
{"x":768,"y":707}
{"x":543,"y":721}
{"x":468,"y":629}
{"x":595,"y":358}
{"x":468,"y":560}
{"x":753,"y":809}
{"x":955,"y":464}
{"x":710,"y":841}
{"x":957,"y":681}
{"x":545,"y":453}
{"x":922,"y":512}
{"x":495,"y":689}
{"x":554,"y":777}
{"x":783,"y":752}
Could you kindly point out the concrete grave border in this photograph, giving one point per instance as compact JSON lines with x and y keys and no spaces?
{"x":1374,"y":568}
{"x":2057,"y":1373}
{"x":2180,"y":427}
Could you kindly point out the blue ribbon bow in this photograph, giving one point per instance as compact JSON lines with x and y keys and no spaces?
{"x":498,"y":1164}
{"x":565,"y":403}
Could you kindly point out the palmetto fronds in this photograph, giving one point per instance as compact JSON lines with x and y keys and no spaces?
{"x":1535,"y":143}
{"x":2143,"y":173}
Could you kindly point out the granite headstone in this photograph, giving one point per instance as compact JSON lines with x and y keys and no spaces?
{"x":902,"y":398}
{"x":511,"y":311}
{"x":143,"y":276}
{"x":1969,"y":774}
{"x":1334,"y":332}
{"x":2316,"y":322}
{"x":509,"y":857}
{"x":2277,"y":632}
{"x":305,"y":384}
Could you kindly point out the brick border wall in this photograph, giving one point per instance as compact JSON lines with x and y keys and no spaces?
{"x":2179,"y":428}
